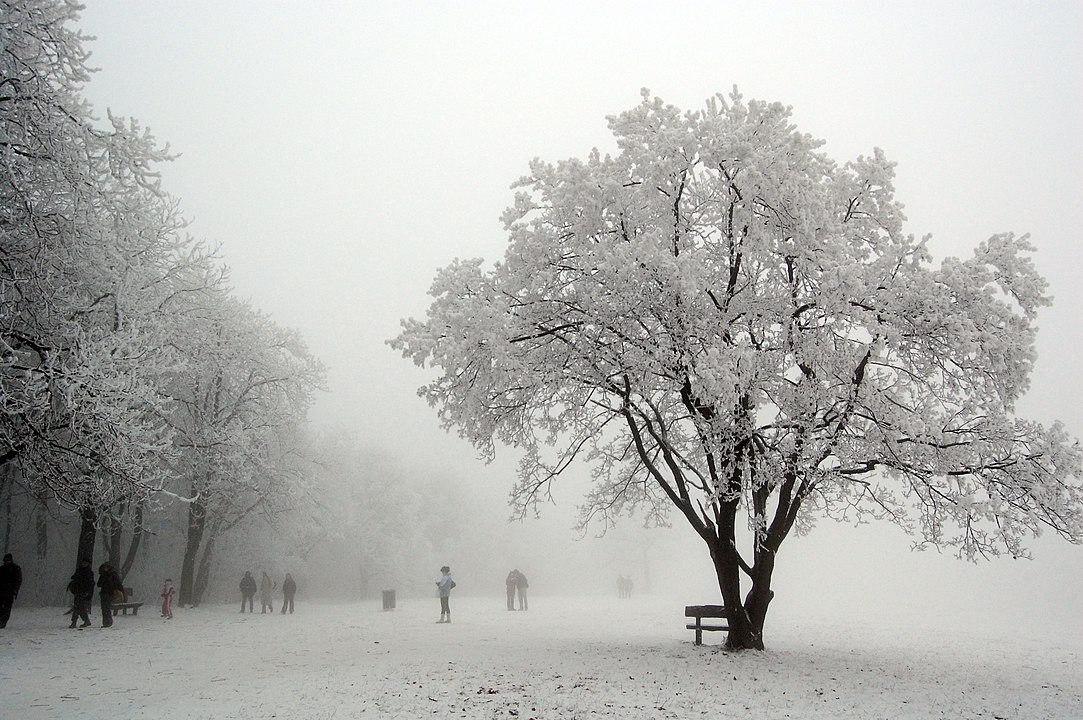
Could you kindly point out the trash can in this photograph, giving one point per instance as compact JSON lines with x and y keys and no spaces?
{"x":389,"y":599}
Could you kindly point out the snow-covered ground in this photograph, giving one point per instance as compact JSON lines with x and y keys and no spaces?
{"x":564,"y":658}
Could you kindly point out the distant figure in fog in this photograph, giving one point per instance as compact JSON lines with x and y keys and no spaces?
{"x":248,"y":591}
{"x":11,"y":579}
{"x":167,"y":598}
{"x":520,"y":587}
{"x":109,"y":585}
{"x":510,"y":583}
{"x":82,"y":589}
{"x":624,"y":587}
{"x":444,"y":586}
{"x":289,"y":589}
{"x":266,"y":587}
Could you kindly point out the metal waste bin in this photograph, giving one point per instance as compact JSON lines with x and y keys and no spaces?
{"x":389,"y":599}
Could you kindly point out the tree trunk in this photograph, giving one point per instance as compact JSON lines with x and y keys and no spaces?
{"x":137,"y":538}
{"x":41,"y":528}
{"x":6,"y":484}
{"x":111,"y":532}
{"x":204,"y":571}
{"x":197,"y":522}
{"x":745,"y":620}
{"x":88,"y":533}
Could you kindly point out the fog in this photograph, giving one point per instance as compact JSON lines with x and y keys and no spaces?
{"x":341,"y":152}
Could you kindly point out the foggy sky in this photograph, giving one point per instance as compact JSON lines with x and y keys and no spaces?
{"x":343,"y":151}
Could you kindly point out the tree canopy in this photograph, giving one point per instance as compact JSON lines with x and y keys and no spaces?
{"x":724,"y":321}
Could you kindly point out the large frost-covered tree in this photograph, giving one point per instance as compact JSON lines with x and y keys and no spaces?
{"x":727,"y":323}
{"x":93,"y":264}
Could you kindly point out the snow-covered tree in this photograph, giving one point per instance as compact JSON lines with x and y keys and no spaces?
{"x":725,"y":322}
{"x":93,"y":263}
{"x":238,"y":407}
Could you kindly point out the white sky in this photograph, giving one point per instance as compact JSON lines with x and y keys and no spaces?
{"x":343,"y":151}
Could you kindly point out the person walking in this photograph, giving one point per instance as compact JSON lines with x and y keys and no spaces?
{"x":167,"y":598}
{"x":248,"y":590}
{"x":11,"y":579}
{"x":520,"y":587}
{"x":266,"y":587}
{"x":444,"y":586}
{"x":109,"y":584}
{"x":82,"y":590}
{"x":289,"y":589}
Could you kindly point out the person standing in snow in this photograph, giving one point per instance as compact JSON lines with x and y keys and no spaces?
{"x":444,"y":586}
{"x":289,"y":589}
{"x":266,"y":587}
{"x":82,"y":589}
{"x":167,"y":598}
{"x":510,"y":583}
{"x":109,"y":584}
{"x":11,"y":579}
{"x":520,"y":587}
{"x":248,"y":590}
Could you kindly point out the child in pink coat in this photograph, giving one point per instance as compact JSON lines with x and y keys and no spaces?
{"x":167,"y":599}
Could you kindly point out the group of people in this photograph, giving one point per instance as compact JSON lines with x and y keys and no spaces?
{"x":111,"y":590}
{"x":266,"y":589}
{"x":81,"y":586}
{"x":624,"y":587}
{"x":516,"y":584}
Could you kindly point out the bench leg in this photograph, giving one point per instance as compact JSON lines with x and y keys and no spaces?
{"x":699,"y":633}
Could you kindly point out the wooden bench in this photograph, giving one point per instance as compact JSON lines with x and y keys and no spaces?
{"x":122,"y":608}
{"x":699,"y":612}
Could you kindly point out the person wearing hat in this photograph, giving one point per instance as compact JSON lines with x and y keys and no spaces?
{"x":444,"y":586}
{"x":11,"y":579}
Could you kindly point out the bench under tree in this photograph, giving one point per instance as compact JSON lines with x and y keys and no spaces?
{"x":711,"y":612}
{"x":127,"y":604}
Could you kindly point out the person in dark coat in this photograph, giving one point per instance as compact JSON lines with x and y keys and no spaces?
{"x":11,"y":579}
{"x":82,"y":590}
{"x":108,"y":585}
{"x":509,"y":583}
{"x":248,"y":591}
{"x":289,"y":589}
{"x":520,"y":587}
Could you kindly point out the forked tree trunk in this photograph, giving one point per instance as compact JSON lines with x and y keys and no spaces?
{"x":746,"y":614}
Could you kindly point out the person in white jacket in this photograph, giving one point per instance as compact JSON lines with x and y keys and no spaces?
{"x":444,"y":586}
{"x":266,"y":587}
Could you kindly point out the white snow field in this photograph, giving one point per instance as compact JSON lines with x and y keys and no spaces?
{"x":564,"y":658}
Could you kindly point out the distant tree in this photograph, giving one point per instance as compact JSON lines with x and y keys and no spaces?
{"x":238,"y":406}
{"x":726,"y":322}
{"x":371,"y":518}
